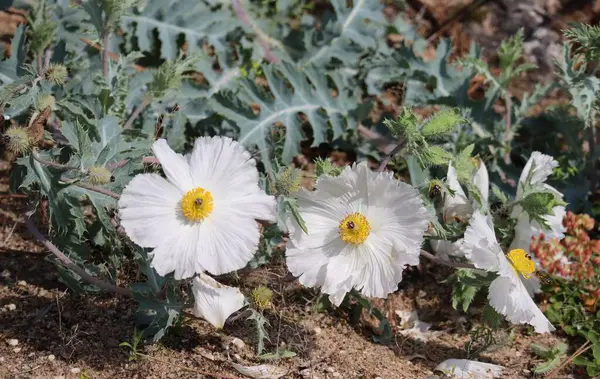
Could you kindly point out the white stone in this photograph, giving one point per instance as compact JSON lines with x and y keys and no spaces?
{"x":22,"y":283}
{"x":317,"y":330}
{"x":238,"y":343}
{"x":51,"y":357}
{"x":12,"y":342}
{"x":17,"y":349}
{"x":11,"y":307}
{"x":75,"y":370}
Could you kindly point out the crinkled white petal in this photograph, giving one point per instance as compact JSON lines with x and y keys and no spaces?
{"x":174,"y":165}
{"x":226,"y":169}
{"x":482,"y":181}
{"x":398,"y":221}
{"x":214,"y":301}
{"x":481,"y":247}
{"x":443,"y":249}
{"x":526,"y":229}
{"x":511,"y":298}
{"x":223,"y":242}
{"x":457,"y":205}
{"x":148,"y":210}
{"x":542,"y":168}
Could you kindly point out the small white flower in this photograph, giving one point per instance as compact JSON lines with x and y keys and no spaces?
{"x":363,"y":228}
{"x":214,"y":301}
{"x":508,"y":293}
{"x":460,"y":206}
{"x":527,"y":228}
{"x":202,"y":217}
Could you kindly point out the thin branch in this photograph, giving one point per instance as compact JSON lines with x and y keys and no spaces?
{"x":508,"y":126}
{"x":54,"y":164}
{"x":99,"y":190}
{"x":72,"y":266}
{"x":264,"y":40}
{"x":444,"y":262}
{"x":137,"y":112}
{"x":389,"y":157}
{"x":105,"y":53}
{"x":586,"y":346}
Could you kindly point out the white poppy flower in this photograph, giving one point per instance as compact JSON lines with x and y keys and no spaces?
{"x":202,"y":217}
{"x":460,"y":206}
{"x":214,"y":301}
{"x":363,"y":228}
{"x":527,"y":228}
{"x":508,"y":293}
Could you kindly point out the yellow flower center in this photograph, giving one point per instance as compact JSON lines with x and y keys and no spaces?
{"x":475,"y":162}
{"x":197,"y":204}
{"x":354,"y":229}
{"x":521,"y":262}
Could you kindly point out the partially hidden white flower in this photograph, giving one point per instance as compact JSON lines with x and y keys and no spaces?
{"x":460,"y":206}
{"x":214,"y":301}
{"x":537,"y":170}
{"x":508,"y":293}
{"x":202,"y":216}
{"x":363,"y":228}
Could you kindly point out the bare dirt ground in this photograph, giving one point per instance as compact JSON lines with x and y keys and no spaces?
{"x":64,"y":335}
{"x":60,"y":334}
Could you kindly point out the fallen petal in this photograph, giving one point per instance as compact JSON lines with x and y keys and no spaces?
{"x":464,"y":368}
{"x":261,"y":371}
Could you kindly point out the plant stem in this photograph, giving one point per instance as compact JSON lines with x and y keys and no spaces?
{"x":105,"y":52}
{"x":53,"y":164}
{"x":444,"y":262}
{"x":507,"y":126}
{"x":137,"y":112}
{"x":389,"y":157}
{"x":72,"y":266}
{"x":99,"y":190}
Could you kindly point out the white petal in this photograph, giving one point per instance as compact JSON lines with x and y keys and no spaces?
{"x":310,"y":265}
{"x":148,"y":209}
{"x":555,"y":220}
{"x":542,"y":164}
{"x":177,"y":252}
{"x":175,"y":166}
{"x":339,"y":185}
{"x":510,"y":298}
{"x":214,"y":301}
{"x":526,"y":229}
{"x":227,"y":242}
{"x":224,"y":167}
{"x":467,"y":369}
{"x":457,"y":205}
{"x":443,"y":249}
{"x":482,"y":181}
{"x":480,"y":244}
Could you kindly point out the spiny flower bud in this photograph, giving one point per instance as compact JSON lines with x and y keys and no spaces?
{"x":261,"y":297}
{"x":46,"y":101}
{"x":99,"y":175}
{"x":17,"y":140}
{"x":57,"y":74}
{"x":326,"y":167}
{"x":288,"y":181}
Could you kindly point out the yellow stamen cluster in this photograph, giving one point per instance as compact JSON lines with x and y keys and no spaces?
{"x":197,"y":204}
{"x":354,"y":229}
{"x":521,"y":262}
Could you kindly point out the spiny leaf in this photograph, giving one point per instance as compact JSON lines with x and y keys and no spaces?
{"x":308,"y":93}
{"x":10,"y":69}
{"x":194,"y":19}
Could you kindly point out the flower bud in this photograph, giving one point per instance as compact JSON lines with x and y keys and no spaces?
{"x":17,"y":140}
{"x":288,"y":181}
{"x":99,"y":175}
{"x":261,"y":297}
{"x":46,"y":101}
{"x":57,"y":74}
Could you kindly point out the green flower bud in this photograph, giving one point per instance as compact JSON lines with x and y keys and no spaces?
{"x":17,"y":140}
{"x":46,"y":101}
{"x":57,"y":74}
{"x":99,"y":175}
{"x":288,"y":181}
{"x":261,"y":297}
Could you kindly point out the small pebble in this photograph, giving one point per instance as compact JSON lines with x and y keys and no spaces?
{"x":12,"y":342}
{"x":238,"y":343}
{"x":11,"y":307}
{"x":75,"y":370}
{"x":59,"y":377}
{"x":336,"y":375}
{"x":22,"y":283}
{"x":5,"y":274}
{"x":1,"y":359}
{"x":317,"y":330}
{"x":51,"y":357}
{"x":17,"y":349}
